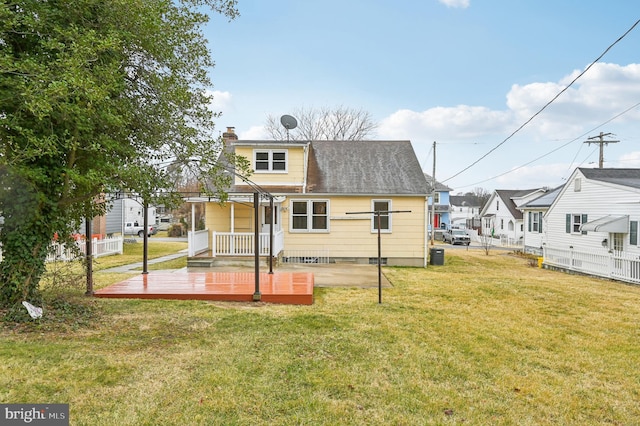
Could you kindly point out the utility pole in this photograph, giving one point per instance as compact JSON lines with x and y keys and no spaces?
{"x":600,"y":141}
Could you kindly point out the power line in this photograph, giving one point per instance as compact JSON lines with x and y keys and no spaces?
{"x":547,"y":104}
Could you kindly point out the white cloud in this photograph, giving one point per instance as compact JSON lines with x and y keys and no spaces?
{"x":468,"y":132}
{"x":460,"y":122}
{"x":603,"y":92}
{"x":463,"y":4}
{"x":221,"y":102}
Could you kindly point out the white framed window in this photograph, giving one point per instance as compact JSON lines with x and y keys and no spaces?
{"x":309,"y":216}
{"x":270,"y":160}
{"x":535,"y":222}
{"x":385,"y":218}
{"x":574,"y":221}
{"x":436,"y":198}
{"x":577,"y":185}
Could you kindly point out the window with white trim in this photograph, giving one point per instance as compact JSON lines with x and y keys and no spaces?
{"x":574,"y":221}
{"x":385,"y":218}
{"x":309,"y":216}
{"x":270,"y":160}
{"x":535,"y":222}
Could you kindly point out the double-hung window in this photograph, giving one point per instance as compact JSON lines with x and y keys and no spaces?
{"x":270,"y":160}
{"x":309,"y":216}
{"x":383,"y":206}
{"x":535,"y":222}
{"x":574,"y":221}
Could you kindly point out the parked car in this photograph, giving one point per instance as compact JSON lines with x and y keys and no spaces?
{"x":133,"y":228}
{"x":456,"y":236}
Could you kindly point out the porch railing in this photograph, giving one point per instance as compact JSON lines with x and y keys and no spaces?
{"x":242,"y":243}
{"x":198,"y":242}
{"x":613,"y":264}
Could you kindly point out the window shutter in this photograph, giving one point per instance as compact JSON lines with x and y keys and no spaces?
{"x":584,"y":220}
{"x":568,"y":224}
{"x":529,"y":219}
{"x":540,"y":223}
{"x":633,"y":232}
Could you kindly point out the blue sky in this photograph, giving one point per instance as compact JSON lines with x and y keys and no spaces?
{"x":463,"y":73}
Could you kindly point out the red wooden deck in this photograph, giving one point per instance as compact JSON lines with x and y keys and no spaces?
{"x":280,"y":287}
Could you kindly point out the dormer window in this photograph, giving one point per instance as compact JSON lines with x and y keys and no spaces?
{"x":270,"y":160}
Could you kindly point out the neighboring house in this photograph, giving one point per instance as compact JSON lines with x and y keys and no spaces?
{"x":534,"y":221}
{"x":315,"y":186}
{"x":441,"y":205}
{"x":465,"y":211}
{"x":501,"y":217}
{"x":592,"y":226}
{"x":123,"y":210}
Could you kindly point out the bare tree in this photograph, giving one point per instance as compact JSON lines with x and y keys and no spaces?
{"x":481,"y":195}
{"x":339,"y":123}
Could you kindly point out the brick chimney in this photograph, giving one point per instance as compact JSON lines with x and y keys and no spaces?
{"x":229,"y":135}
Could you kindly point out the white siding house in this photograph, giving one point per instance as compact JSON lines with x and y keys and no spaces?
{"x":592,"y":226}
{"x":465,"y":211}
{"x":501,"y":217}
{"x":533,"y":214}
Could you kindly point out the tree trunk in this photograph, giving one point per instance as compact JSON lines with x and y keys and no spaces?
{"x":25,"y":242}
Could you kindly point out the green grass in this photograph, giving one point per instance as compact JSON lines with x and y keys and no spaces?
{"x":480,"y":340}
{"x":132,"y":253}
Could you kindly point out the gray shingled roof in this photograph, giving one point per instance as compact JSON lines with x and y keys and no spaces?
{"x":507,"y":196}
{"x":465,"y":200}
{"x":625,"y":177}
{"x":364,"y":167}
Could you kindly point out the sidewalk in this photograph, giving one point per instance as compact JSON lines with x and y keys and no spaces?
{"x":138,"y":265}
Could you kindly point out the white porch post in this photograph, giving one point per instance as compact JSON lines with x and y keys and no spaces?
{"x":233,"y":227}
{"x":193,"y":220}
{"x":233,"y":215}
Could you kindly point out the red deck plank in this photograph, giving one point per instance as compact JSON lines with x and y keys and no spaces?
{"x":279,"y":287}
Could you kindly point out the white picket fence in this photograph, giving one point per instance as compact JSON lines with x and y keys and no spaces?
{"x":616,"y":265}
{"x":104,"y":247}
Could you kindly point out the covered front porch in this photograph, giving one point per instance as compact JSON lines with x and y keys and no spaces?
{"x":236,"y":229}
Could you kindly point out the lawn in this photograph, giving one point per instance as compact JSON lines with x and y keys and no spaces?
{"x":480,"y":340}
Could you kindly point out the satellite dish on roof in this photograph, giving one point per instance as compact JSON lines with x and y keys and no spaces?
{"x":289,"y":123}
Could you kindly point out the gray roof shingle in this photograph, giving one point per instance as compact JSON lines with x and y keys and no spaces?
{"x":625,"y":177}
{"x":365,"y":167}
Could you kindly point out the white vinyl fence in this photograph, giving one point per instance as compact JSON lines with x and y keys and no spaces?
{"x":616,"y":265}
{"x":104,"y":247}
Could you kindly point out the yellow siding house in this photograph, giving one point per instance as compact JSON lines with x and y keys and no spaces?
{"x":310,"y":191}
